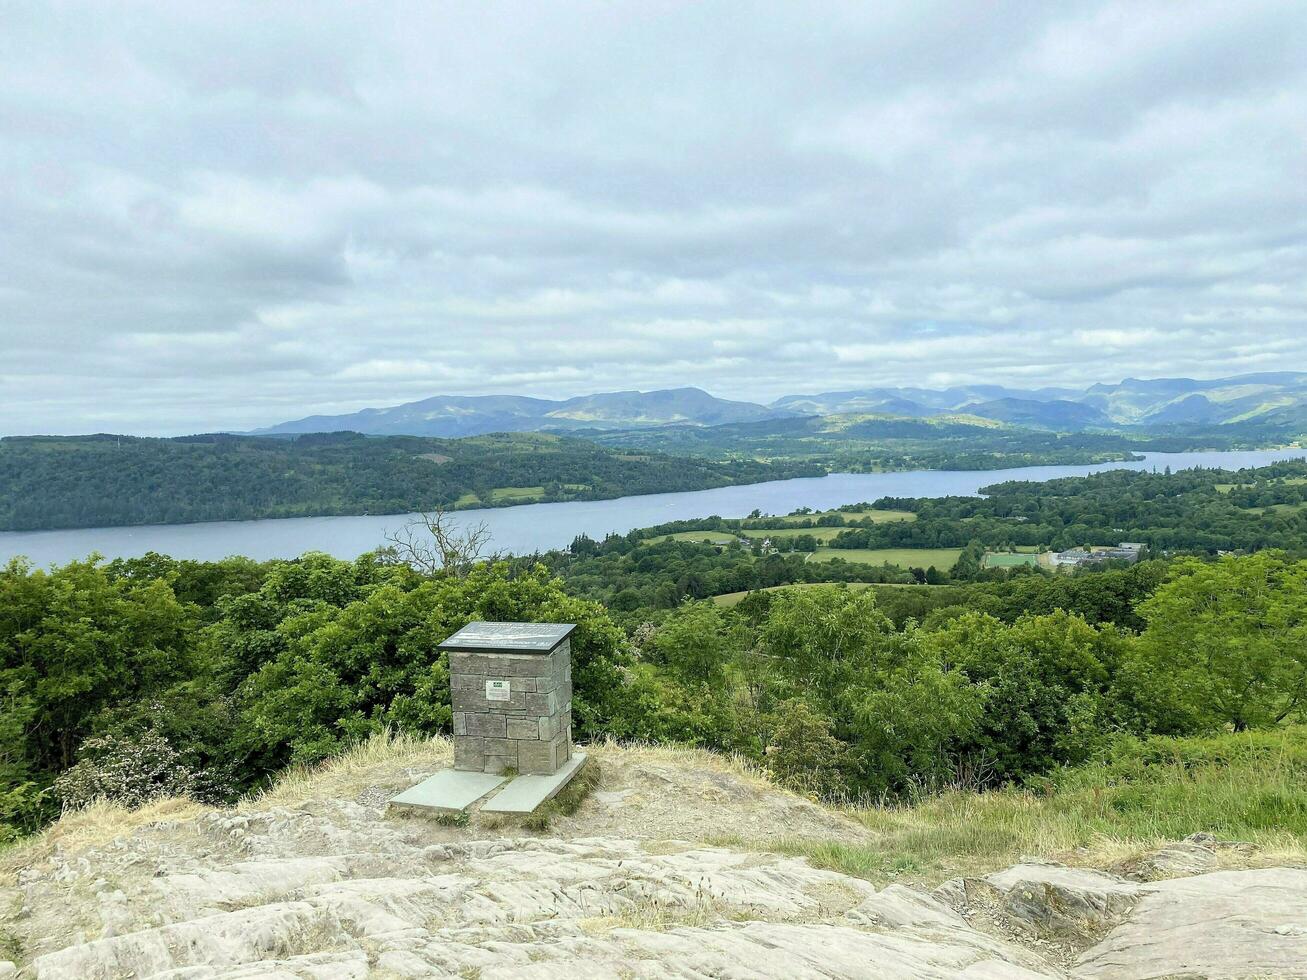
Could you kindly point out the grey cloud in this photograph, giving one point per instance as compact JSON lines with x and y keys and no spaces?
{"x":221,"y":215}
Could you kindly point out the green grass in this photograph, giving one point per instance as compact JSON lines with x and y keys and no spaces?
{"x":998,"y":559}
{"x":1276,"y":509}
{"x":1246,"y":787}
{"x":820,"y":533}
{"x":712,"y":537}
{"x":876,"y":516}
{"x":515,"y":495}
{"x":733,"y":598}
{"x":941,"y":558}
{"x":500,"y":494}
{"x":568,"y":800}
{"x":1288,"y":481}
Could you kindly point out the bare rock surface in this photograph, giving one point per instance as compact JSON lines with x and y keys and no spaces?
{"x":511,"y":908}
{"x":1241,"y":923}
{"x":318,"y":882}
{"x":1045,"y":901}
{"x":1224,"y":924}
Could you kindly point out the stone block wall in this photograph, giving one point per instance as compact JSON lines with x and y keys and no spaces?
{"x":530,"y":729}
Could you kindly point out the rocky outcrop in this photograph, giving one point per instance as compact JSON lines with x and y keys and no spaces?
{"x":1224,"y":924}
{"x":530,"y":908}
{"x":1244,"y":923}
{"x":335,"y":888}
{"x":1045,"y":901}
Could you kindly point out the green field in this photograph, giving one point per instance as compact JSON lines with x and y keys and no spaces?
{"x":1001,"y":559}
{"x":876,"y":516}
{"x":1276,"y":509}
{"x":500,"y":494}
{"x":733,"y":598}
{"x":514,"y":495}
{"x":941,"y":558}
{"x":820,"y":533}
{"x":1287,"y":481}
{"x":712,"y":537}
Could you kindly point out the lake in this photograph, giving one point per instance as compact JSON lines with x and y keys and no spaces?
{"x":539,"y":527}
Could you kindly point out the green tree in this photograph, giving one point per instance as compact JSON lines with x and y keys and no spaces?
{"x":342,"y":671}
{"x":913,"y":716}
{"x":694,"y":645}
{"x":1044,"y":681}
{"x":804,"y":754}
{"x":822,"y":637}
{"x":80,"y":642}
{"x":1225,"y":644}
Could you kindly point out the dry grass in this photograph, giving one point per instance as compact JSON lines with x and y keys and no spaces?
{"x":732,"y":764}
{"x":380,"y":759}
{"x":95,"y":824}
{"x":654,"y":916}
{"x":1247,"y":787}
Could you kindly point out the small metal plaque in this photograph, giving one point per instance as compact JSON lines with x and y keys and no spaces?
{"x":497,"y":690}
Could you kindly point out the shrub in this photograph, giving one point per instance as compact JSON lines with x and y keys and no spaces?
{"x":126,"y":771}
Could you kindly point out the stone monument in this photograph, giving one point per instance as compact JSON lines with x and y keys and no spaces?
{"x":511,"y":690}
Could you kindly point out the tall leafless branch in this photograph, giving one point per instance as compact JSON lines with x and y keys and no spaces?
{"x":435,"y":544}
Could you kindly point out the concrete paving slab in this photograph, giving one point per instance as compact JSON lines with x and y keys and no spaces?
{"x":449,"y":789}
{"x":525,"y":793}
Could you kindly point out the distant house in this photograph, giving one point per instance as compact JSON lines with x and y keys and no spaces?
{"x":1119,"y":554}
{"x":1080,"y":558}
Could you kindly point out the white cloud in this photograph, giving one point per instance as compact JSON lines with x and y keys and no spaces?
{"x":220,"y":216}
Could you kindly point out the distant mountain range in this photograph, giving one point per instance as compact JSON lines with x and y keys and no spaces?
{"x":1133,"y":402}
{"x":1274,"y":398}
{"x":471,"y":415}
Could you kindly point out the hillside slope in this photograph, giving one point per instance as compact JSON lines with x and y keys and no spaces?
{"x":470,"y":415}
{"x":100,"y":481}
{"x":1265,"y":397}
{"x":316,"y":880}
{"x":1272,"y":398}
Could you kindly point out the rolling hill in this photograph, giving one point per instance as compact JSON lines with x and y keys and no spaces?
{"x":1272,"y":398}
{"x":1275,"y":399}
{"x":103,"y":481}
{"x":468,"y":415}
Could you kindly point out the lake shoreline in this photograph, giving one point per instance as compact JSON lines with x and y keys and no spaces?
{"x":346,"y":511}
{"x":529,"y":528}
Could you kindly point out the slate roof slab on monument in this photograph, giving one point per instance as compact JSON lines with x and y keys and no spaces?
{"x":509,"y":637}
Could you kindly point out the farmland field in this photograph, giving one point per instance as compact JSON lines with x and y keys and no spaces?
{"x":1276,"y":509}
{"x":712,"y":537}
{"x":820,"y":533}
{"x":941,"y":558}
{"x":998,"y":559}
{"x":500,"y":494}
{"x":733,"y":598}
{"x":875,"y":516}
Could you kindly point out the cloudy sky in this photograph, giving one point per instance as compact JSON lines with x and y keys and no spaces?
{"x":221,"y":216}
